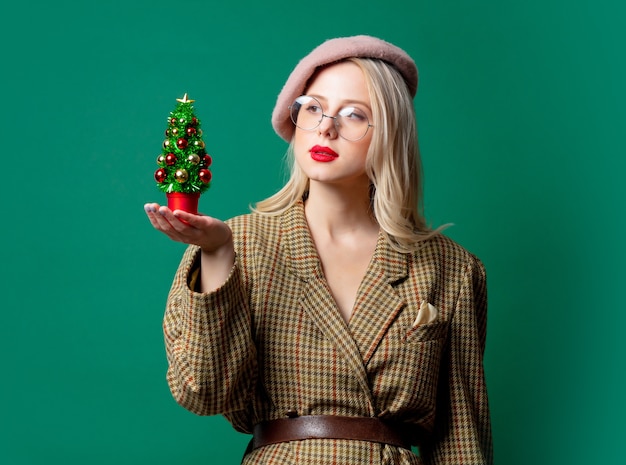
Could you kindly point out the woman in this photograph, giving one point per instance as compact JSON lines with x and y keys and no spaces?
{"x":330,"y":322}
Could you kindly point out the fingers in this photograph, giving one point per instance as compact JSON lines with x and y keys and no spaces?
{"x":162,"y":219}
{"x":204,"y":231}
{"x":156,"y":212}
{"x":151,"y":210}
{"x":170,"y":219}
{"x":151,"y":207}
{"x":179,"y":225}
{"x":195,"y":220}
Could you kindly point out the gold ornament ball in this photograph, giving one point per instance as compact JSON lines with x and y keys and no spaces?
{"x":198,"y":143}
{"x":181,"y":176}
{"x":175,"y":131}
{"x":194,"y":158}
{"x":161,"y":160}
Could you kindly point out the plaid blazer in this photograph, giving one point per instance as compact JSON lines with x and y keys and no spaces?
{"x":271,"y":339}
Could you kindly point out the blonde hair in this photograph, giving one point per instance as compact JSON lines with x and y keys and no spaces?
{"x":393,"y":162}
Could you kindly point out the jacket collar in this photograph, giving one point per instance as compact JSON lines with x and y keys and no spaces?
{"x":304,"y":260}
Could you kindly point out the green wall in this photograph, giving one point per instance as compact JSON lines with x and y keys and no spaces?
{"x":521,"y":110}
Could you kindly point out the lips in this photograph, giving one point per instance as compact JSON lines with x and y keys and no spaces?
{"x":323,"y":154}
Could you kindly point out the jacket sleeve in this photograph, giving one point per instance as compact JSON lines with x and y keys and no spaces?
{"x":462,"y":433}
{"x":210,"y":353}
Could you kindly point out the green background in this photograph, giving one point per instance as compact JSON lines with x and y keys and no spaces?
{"x":521,"y":111}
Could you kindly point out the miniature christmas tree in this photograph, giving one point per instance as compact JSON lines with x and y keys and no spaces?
{"x":183,"y":172}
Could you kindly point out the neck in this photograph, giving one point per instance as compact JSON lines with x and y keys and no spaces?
{"x":336,"y":209}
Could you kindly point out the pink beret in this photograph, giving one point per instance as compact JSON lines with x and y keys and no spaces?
{"x":331,"y":51}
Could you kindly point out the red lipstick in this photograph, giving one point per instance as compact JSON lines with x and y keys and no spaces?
{"x":323,"y":154}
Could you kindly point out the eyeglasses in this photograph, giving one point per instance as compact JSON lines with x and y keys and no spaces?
{"x":307,"y":114}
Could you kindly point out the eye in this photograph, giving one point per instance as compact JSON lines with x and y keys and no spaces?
{"x":307,"y":104}
{"x":353,"y":114}
{"x":312,"y":108}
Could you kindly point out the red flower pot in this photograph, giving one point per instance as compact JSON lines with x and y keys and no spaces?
{"x":182,"y":201}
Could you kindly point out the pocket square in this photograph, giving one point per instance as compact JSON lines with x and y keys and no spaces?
{"x":427,"y":314}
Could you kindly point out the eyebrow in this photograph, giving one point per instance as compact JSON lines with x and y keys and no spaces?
{"x":343,"y":102}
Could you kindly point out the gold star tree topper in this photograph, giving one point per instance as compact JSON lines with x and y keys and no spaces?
{"x":185,"y":99}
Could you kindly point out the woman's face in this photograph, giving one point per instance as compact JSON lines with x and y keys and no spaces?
{"x":321,"y":153}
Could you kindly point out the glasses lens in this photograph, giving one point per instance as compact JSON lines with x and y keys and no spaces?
{"x":306,"y":112}
{"x":352,"y":123}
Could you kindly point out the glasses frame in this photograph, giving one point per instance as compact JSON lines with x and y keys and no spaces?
{"x":324,"y":115}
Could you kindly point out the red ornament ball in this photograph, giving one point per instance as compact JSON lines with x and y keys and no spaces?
{"x":173,"y":121}
{"x":194,"y":121}
{"x":207,"y":160}
{"x":205,"y":176}
{"x":170,"y":159}
{"x":182,"y":143}
{"x":191,"y":131}
{"x":160,"y":175}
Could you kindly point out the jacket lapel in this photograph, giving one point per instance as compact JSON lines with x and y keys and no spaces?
{"x":378,"y":302}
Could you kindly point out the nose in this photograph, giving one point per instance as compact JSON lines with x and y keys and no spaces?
{"x":328,"y":126}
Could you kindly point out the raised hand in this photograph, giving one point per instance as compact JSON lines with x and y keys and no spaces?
{"x":213,"y":236}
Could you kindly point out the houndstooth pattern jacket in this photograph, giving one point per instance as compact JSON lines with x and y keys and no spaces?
{"x":271,"y":339}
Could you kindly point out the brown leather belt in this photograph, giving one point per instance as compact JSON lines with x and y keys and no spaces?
{"x":331,"y":427}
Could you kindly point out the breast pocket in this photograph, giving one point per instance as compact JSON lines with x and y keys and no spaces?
{"x":427,"y":332}
{"x":407,"y":366}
